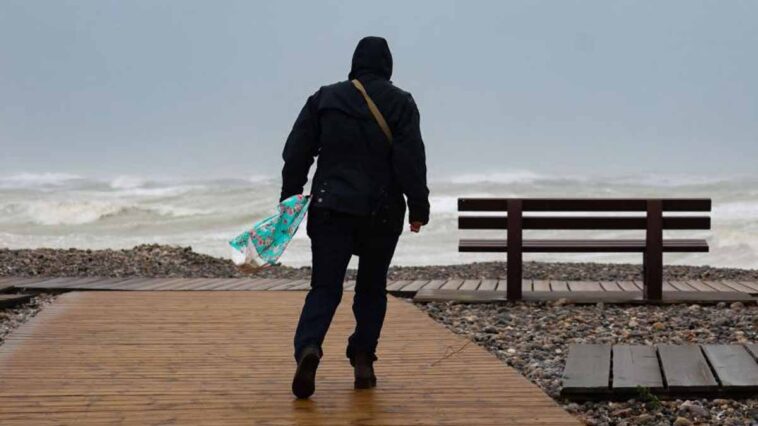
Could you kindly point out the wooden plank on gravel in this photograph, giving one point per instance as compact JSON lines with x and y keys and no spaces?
{"x":434,"y":284}
{"x":302,"y":285}
{"x":699,"y":285}
{"x":541,"y":285}
{"x":610,"y":286}
{"x":636,"y":365}
{"x":735,"y":368}
{"x":585,"y":286}
{"x":470,"y":285}
{"x":682,"y":285}
{"x":719,"y":286}
{"x":752,"y":348}
{"x":559,"y":286}
{"x":588,"y":369}
{"x":685,"y":369}
{"x":628,"y":286}
{"x":43,"y":282}
{"x":451,"y":285}
{"x":488,"y":285}
{"x":218,"y":358}
{"x":750,"y":284}
{"x":194,"y":284}
{"x":11,"y":300}
{"x":415,"y":285}
{"x":208,"y":285}
{"x":397,"y":285}
{"x":283,"y":284}
{"x":737,"y":286}
{"x":475,"y":296}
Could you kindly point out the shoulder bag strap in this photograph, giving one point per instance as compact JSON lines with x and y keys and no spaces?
{"x":374,"y":110}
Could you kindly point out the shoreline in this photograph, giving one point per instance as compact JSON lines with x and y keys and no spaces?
{"x":155,"y":260}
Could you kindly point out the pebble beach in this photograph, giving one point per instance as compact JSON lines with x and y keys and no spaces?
{"x":530,"y":337}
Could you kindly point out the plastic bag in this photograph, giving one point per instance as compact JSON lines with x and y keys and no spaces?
{"x":265,"y":242}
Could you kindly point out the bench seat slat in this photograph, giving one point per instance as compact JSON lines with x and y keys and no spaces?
{"x":584,"y":222}
{"x":584,"y":204}
{"x":581,"y":246}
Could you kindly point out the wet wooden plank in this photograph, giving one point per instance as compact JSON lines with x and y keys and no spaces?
{"x":610,"y":286}
{"x":414,"y":286}
{"x":397,"y":285}
{"x":210,"y":284}
{"x":434,"y":284}
{"x":686,"y":369}
{"x":585,"y":286}
{"x":540,"y":285}
{"x":734,"y":366}
{"x":719,"y":286}
{"x":737,"y":286}
{"x":750,"y":284}
{"x":628,"y":286}
{"x":451,"y":285}
{"x":284,"y":284}
{"x":488,"y":285}
{"x":95,"y":358}
{"x":470,"y":285}
{"x":752,"y":348}
{"x":588,"y":369}
{"x":302,"y":285}
{"x":681,"y":285}
{"x":636,"y":365}
{"x":700,"y":285}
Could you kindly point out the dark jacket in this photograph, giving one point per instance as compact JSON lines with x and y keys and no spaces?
{"x":359,"y":171}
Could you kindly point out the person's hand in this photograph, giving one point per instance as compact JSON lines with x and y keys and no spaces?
{"x":416,"y":226}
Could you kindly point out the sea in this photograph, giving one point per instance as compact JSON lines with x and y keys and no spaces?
{"x":61,"y":210}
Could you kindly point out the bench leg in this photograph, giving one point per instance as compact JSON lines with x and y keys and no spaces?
{"x":652,"y":262}
{"x":514,"y":264}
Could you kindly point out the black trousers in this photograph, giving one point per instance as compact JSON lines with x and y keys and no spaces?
{"x":335,"y":237}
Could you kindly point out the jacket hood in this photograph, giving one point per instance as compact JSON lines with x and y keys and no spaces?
{"x":372,"y":56}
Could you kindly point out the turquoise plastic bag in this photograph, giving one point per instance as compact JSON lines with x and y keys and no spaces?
{"x":269,"y":237}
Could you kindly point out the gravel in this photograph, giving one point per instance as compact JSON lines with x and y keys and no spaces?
{"x":534,"y":339}
{"x":12,"y":318}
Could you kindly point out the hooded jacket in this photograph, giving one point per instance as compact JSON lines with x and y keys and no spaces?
{"x":359,"y":171}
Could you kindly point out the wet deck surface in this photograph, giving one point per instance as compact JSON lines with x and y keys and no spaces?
{"x":224,"y":357}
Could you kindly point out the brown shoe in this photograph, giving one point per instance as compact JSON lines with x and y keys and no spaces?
{"x":304,"y":383}
{"x":363,"y":365}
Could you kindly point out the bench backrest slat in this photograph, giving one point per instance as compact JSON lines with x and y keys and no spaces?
{"x":584,"y":204}
{"x":583,"y":222}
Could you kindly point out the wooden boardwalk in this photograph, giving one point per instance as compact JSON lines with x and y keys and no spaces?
{"x":602,"y":371}
{"x":399,"y":287}
{"x":158,"y":358}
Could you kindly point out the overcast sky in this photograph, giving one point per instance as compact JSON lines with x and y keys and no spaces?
{"x":211,"y":88}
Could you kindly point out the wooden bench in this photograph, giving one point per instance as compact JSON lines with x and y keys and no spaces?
{"x":649,"y":216}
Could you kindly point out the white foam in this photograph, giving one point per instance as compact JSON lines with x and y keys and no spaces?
{"x":518,"y":176}
{"x":84,"y":212}
{"x":26,"y":180}
{"x":127,"y":182}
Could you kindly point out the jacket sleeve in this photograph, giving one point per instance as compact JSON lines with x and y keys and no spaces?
{"x":300,"y":149}
{"x":409,"y":163}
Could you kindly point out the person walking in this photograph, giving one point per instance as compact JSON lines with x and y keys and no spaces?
{"x":365,"y":133}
